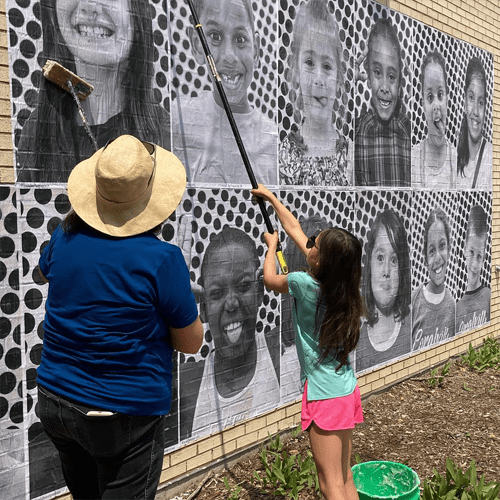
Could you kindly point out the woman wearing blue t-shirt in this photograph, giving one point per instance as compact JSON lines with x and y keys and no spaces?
{"x":119,"y":302}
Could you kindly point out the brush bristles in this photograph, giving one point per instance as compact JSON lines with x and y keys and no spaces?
{"x":59,"y":75}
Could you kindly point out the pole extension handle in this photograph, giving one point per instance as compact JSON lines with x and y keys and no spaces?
{"x":234,"y":128}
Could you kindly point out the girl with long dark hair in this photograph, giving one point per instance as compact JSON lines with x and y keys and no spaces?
{"x":327,"y":317}
{"x":475,"y":152}
{"x":386,"y":333}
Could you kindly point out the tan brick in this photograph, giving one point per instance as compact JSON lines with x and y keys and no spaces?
{"x":268,"y":431}
{"x":389,"y":379}
{"x":65,"y":496}
{"x":7,"y":175}
{"x":173,"y":472}
{"x":223,"y":450}
{"x":365,"y":389}
{"x":377,"y":384}
{"x":409,"y":362}
{"x":371,"y":377}
{"x":247,"y":440}
{"x":255,"y":425}
{"x":199,"y":460}
{"x":183,"y":454}
{"x":275,"y":416}
{"x":286,"y":423}
{"x":384,"y":372}
{"x":293,"y":409}
{"x":234,"y":432}
{"x":210,"y":443}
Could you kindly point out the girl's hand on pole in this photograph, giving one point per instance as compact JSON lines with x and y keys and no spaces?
{"x":271,"y":240}
{"x":262,"y":192}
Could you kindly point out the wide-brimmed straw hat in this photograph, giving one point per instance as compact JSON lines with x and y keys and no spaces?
{"x":127,"y":187}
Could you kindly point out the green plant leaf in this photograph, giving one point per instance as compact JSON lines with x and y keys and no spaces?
{"x":473,"y":473}
{"x":450,"y":469}
{"x":450,"y":495}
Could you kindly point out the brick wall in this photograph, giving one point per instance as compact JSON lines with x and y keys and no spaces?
{"x":476,"y":22}
{"x":6,"y":155}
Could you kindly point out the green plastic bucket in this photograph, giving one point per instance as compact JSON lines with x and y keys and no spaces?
{"x":385,"y":481}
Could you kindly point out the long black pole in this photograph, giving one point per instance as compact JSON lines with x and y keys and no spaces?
{"x":234,"y":128}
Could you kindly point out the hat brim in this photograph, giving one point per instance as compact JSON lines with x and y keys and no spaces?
{"x":127,"y":219}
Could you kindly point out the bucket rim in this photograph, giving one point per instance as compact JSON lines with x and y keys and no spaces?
{"x":398,"y":464}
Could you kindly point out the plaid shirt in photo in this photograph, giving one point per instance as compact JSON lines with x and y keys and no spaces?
{"x":382,"y":154}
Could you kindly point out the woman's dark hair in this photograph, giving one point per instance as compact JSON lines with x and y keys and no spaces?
{"x":475,"y":69}
{"x":339,"y":277}
{"x":398,"y":239}
{"x":55,"y":142}
{"x":73,"y":223}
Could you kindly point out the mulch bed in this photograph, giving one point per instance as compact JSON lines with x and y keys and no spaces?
{"x":412,"y":424}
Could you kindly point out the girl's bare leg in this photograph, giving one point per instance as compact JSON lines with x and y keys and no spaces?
{"x":332,"y":454}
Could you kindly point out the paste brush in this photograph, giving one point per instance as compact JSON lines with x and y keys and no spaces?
{"x":76,"y":86}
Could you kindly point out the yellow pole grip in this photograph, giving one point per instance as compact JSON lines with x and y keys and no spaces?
{"x":282,"y":262}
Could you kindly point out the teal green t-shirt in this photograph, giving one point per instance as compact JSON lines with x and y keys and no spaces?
{"x":323,"y":382}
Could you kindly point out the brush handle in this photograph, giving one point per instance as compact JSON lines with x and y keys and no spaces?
{"x":82,"y":114}
{"x":234,"y":128}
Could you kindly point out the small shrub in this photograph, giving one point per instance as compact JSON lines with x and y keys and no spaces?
{"x":457,"y":484}
{"x":286,"y":474}
{"x":233,"y":493}
{"x":437,"y":380}
{"x":487,"y":356}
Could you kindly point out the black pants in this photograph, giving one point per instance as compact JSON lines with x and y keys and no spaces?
{"x":116,"y":457}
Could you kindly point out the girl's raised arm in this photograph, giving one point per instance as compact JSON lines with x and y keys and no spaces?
{"x":290,"y":224}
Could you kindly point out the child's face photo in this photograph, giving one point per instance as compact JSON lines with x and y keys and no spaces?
{"x":474,"y":257}
{"x":383,"y":77}
{"x":317,"y":67}
{"x":437,"y":256}
{"x":384,"y":272}
{"x":475,"y":102}
{"x":99,"y":32}
{"x":232,"y":299}
{"x":234,"y":47}
{"x":435,"y":101}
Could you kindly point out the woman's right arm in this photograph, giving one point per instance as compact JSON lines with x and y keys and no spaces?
{"x":189,"y":338}
{"x":290,"y":224}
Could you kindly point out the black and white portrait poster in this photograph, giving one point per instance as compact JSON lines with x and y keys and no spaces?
{"x":354,"y":114}
{"x":386,"y":286}
{"x":236,"y":375}
{"x":119,"y":47}
{"x":434,"y":261}
{"x":241,"y":36}
{"x":383,"y":96}
{"x":316,"y":82}
{"x":473,"y":242}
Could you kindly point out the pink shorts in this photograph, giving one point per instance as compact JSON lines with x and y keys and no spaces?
{"x":332,"y":414}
